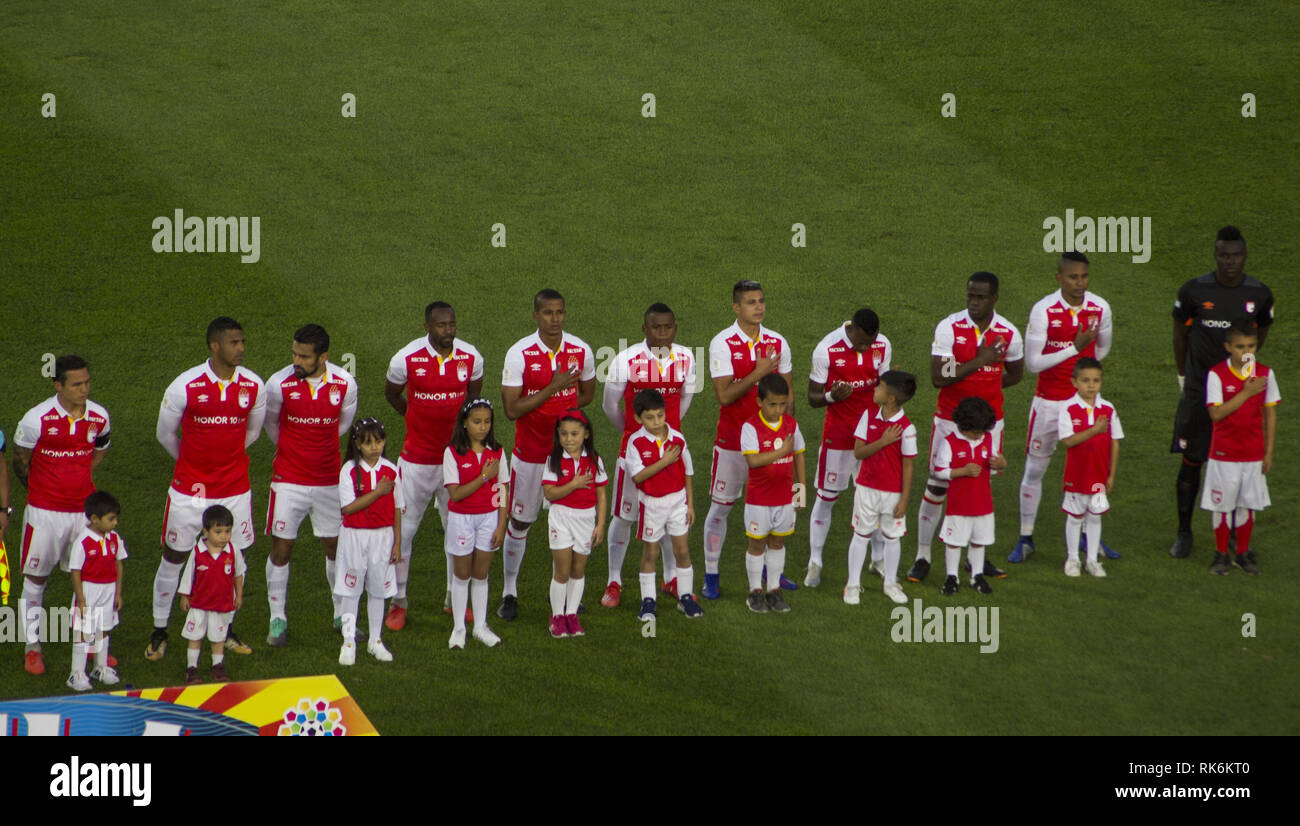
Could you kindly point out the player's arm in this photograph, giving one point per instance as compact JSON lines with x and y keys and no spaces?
{"x":1075,"y":439}
{"x":22,"y":464}
{"x":517,"y":405}
{"x":241,"y":570}
{"x":943,"y":462}
{"x":474,"y":389}
{"x":394,"y":394}
{"x":586,"y":391}
{"x":1114,"y":465}
{"x":256,"y":417}
{"x":610,"y":402}
{"x":690,"y":386}
{"x":946,"y":370}
{"x":789,"y":382}
{"x":864,"y":450}
{"x":396,"y":555}
{"x":602,"y":512}
{"x":346,"y":415}
{"x":690,"y":484}
{"x":186,"y":584}
{"x":900,"y":509}
{"x":1036,"y":343}
{"x":1184,"y":316}
{"x":169,"y":418}
{"x":1013,"y":372}
{"x":1270,"y":432}
{"x":1105,"y":333}
{"x":274,"y":402}
{"x":77,"y":591}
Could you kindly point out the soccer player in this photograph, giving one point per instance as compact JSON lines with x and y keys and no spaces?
{"x":1068,"y":324}
{"x":976,"y":352}
{"x":1242,"y":398}
{"x":438,"y":373}
{"x":1203,"y":312}
{"x":657,"y":363}
{"x":219,"y":407}
{"x":545,"y":374}
{"x":309,"y":406}
{"x":846,"y":365}
{"x":966,"y":458}
{"x":739,"y":357}
{"x":58,"y":445}
{"x":96,"y":566}
{"x":1089,"y":428}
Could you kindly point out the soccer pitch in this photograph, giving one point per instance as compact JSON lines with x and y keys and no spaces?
{"x":766,"y":115}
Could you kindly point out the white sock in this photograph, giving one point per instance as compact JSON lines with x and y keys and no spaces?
{"x":1092,"y":529}
{"x":647,"y":582}
{"x":685,"y":580}
{"x":927,"y":522}
{"x":165,"y":583}
{"x":330,"y":567}
{"x":573,"y":594}
{"x":754,"y":570}
{"x":857,"y":558}
{"x":351,"y":605}
{"x":441,"y":499}
{"x":32,"y":600}
{"x":515,"y":545}
{"x":819,"y":526}
{"x":1073,"y":530}
{"x":951,"y":559}
{"x":617,"y":539}
{"x":375,"y":617}
{"x":101,"y":652}
{"x":669,"y":560}
{"x":277,"y":587}
{"x":559,"y":590}
{"x":1031,"y":491}
{"x":775,"y":558}
{"x":976,"y":556}
{"x":218,"y":659}
{"x":715,"y":534}
{"x":893,"y":554}
{"x":79,"y":652}
{"x":403,"y":575}
{"x":192,"y":657}
{"x":877,"y":546}
{"x":459,"y":596}
{"x":478,"y":597}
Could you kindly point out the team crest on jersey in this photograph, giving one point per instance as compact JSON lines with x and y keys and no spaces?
{"x":244,"y":398}
{"x":91,"y":434}
{"x":876,"y":359}
{"x":777,"y":442}
{"x":336,"y":395}
{"x":1250,"y":307}
{"x":462,"y":372}
{"x":573,"y":364}
{"x":228,"y":566}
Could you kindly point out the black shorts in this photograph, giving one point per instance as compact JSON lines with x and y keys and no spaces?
{"x":1192,"y":429}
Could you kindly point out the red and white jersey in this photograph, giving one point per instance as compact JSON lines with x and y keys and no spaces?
{"x":958,"y":338}
{"x":636,"y":369}
{"x":96,"y":556}
{"x":771,"y":484}
{"x":380,"y":513}
{"x":218,"y":420}
{"x":733,"y":354}
{"x":1049,"y":341}
{"x":883,"y":470}
{"x":967,"y":495}
{"x":643,"y":449}
{"x":460,"y":469}
{"x":305,"y":419}
{"x":585,"y":497}
{"x":1239,"y":437}
{"x":62,"y":451}
{"x":435,"y":391}
{"x":835,"y":360}
{"x":209,"y":578}
{"x":530,"y":365}
{"x":1087,"y":465}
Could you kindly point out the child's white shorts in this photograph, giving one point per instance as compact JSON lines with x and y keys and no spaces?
{"x":1232,"y":485}
{"x":469,"y":531}
{"x":363,"y":563}
{"x":660,"y":514}
{"x":960,"y":531}
{"x":874,"y":509}
{"x":768,"y":520}
{"x":571,"y":528}
{"x":212,"y":624}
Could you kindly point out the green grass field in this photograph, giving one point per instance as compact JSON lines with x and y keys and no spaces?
{"x":767,"y":114}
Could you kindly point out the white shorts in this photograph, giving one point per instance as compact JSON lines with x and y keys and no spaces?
{"x":213,"y":624}
{"x":626,"y":498}
{"x":943,"y":428}
{"x":467,"y":532}
{"x":1044,"y":429}
{"x":1077,"y":504}
{"x":960,"y":531}
{"x":183,"y":519}
{"x":660,"y":514}
{"x":874,"y":510}
{"x":100,"y":616}
{"x":420,"y":484}
{"x":47,"y":539}
{"x":1232,"y":485}
{"x":525,"y":490}
{"x":571,"y":528}
{"x":762,"y":521}
{"x":728,"y":475}
{"x":362,"y":563}
{"x":289,"y":505}
{"x":835,"y":469}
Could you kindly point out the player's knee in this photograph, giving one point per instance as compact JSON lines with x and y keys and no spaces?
{"x":174,"y":557}
{"x":520,"y":528}
{"x":936,"y":493}
{"x":828,"y":495}
{"x":36,"y":580}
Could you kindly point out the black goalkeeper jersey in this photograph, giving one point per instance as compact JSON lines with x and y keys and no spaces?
{"x":1209,"y":308}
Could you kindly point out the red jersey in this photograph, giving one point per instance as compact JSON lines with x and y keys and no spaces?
{"x":305,"y":419}
{"x":958,"y":338}
{"x":643,"y":449}
{"x":1049,"y":341}
{"x":435,"y":390}
{"x":733,"y":354}
{"x":771,"y":484}
{"x":63,"y":449}
{"x":636,"y":369}
{"x":1087,"y":464}
{"x":530,"y":365}
{"x":967,"y":495}
{"x":584,"y":498}
{"x":96,"y":556}
{"x":835,"y":360}
{"x":380,"y":513}
{"x":458,"y":469}
{"x":883,"y":470}
{"x":209,"y":579}
{"x":218,"y":419}
{"x":1239,"y":437}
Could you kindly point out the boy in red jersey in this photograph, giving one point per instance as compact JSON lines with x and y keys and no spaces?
{"x":96,"y":566}
{"x":773,"y":447}
{"x":211,"y":589}
{"x":1242,"y":396}
{"x":1088,"y":426}
{"x":965,"y":459}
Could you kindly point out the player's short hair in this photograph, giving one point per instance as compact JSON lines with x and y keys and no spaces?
{"x":315,"y":335}
{"x":63,"y":364}
{"x":1070,"y":256}
{"x":658,"y":308}
{"x":648,"y":399}
{"x":900,"y":385}
{"x":773,"y":384}
{"x":218,"y":516}
{"x":220,"y":325}
{"x":1085,"y":363}
{"x":973,"y":413}
{"x":545,"y":295}
{"x":1230,"y":233}
{"x":743,"y":286}
{"x":1243,"y":327}
{"x":436,"y":305}
{"x":983,"y":277}
{"x":101,"y":503}
{"x":867,"y":321}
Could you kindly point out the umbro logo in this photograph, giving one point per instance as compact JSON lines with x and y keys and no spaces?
{"x":420,"y":371}
{"x":960,"y":339}
{"x":534,"y":366}
{"x":738,"y":356}
{"x":295,"y":395}
{"x":468,"y":464}
{"x":203,"y":397}
{"x":1056,"y":322}
{"x":839,"y":362}
{"x":1231,"y":388}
